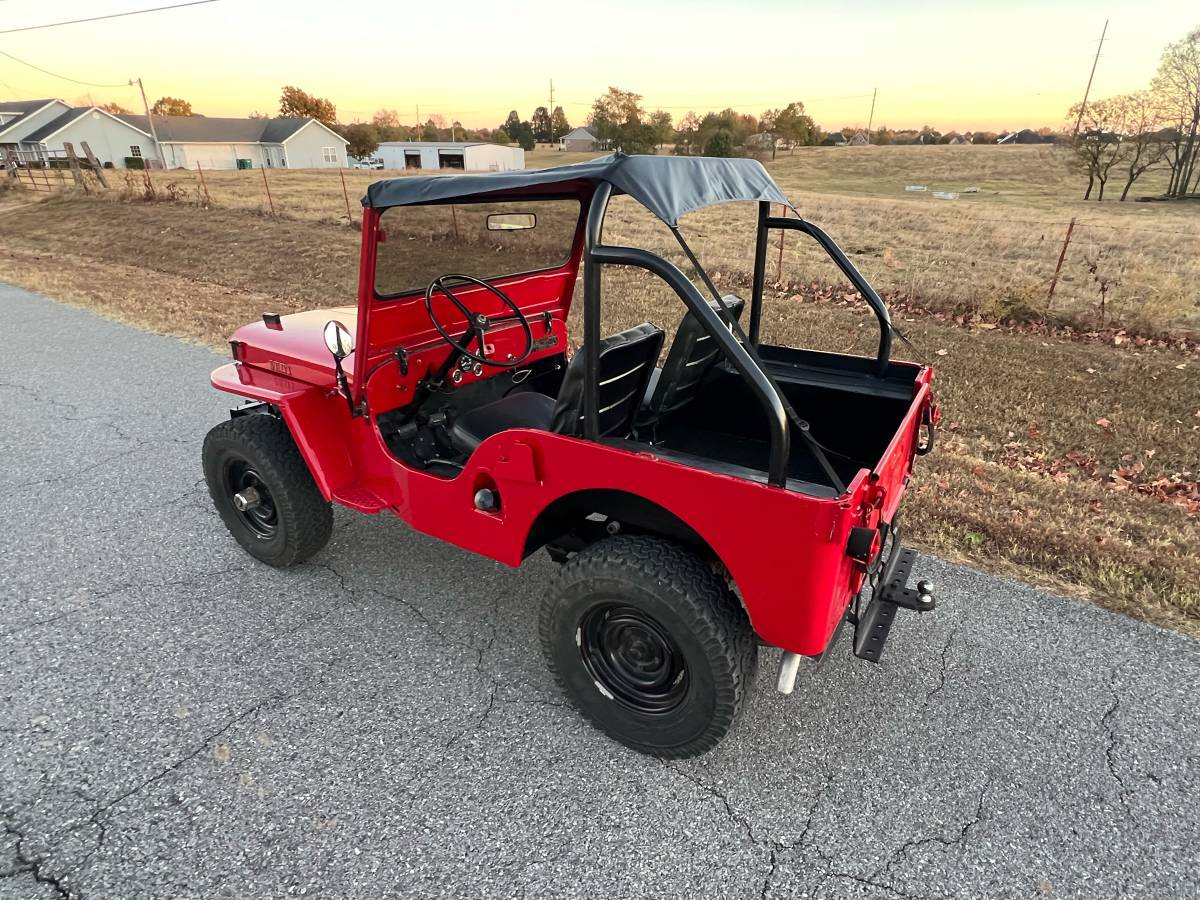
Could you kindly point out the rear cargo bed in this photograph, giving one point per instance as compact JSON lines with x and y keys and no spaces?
{"x":851,"y":412}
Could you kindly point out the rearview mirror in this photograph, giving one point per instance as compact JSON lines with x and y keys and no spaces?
{"x":511,"y":221}
{"x":338,"y":339}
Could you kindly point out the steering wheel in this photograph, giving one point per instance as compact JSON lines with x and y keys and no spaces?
{"x":478,"y":325}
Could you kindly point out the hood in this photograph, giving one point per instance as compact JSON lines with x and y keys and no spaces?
{"x":295,"y":347}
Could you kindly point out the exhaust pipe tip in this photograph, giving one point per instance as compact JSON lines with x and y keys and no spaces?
{"x":789,"y":667}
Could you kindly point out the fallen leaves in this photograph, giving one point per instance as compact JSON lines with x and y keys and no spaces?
{"x":1175,"y":489}
{"x":1180,"y":489}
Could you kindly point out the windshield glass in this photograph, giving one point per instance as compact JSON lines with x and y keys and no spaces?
{"x":485,"y":240}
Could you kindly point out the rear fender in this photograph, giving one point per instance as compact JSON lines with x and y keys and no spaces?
{"x":567,"y":512}
{"x":316,"y":417}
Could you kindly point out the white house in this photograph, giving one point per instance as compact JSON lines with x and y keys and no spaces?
{"x":41,"y":128}
{"x":218,"y":143}
{"x":110,"y":139}
{"x":577,"y":139}
{"x":19,"y":118}
{"x":470,"y":156}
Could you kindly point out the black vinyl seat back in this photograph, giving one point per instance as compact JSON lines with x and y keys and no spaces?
{"x":626,"y":363}
{"x":692,"y":355}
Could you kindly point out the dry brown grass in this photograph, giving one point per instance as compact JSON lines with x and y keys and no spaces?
{"x":199,"y":273}
{"x":990,"y":254}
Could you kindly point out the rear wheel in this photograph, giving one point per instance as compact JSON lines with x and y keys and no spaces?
{"x":650,"y":645}
{"x":264,"y":492}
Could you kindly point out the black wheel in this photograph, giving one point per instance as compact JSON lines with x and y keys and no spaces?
{"x":650,"y":645}
{"x":264,"y":492}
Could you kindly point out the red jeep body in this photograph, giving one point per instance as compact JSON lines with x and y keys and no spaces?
{"x":797,"y":557}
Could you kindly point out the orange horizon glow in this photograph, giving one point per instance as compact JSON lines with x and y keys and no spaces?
{"x":979,"y":68}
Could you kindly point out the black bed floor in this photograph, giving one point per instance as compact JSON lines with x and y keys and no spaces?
{"x":750,"y":452}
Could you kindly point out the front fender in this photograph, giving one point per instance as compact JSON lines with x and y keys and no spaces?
{"x":315,"y":421}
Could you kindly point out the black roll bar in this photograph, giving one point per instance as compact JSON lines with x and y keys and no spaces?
{"x":593,"y":230}
{"x":760,"y":271}
{"x":716,"y":328}
{"x":767,"y":222}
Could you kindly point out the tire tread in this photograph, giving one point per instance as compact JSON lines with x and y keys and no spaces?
{"x":268,"y":440}
{"x":702,"y":597}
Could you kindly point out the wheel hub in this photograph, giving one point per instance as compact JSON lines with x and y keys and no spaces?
{"x":252,"y":499}
{"x":632,"y":658}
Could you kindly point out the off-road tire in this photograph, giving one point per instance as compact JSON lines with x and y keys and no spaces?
{"x":694,"y":606}
{"x":304,"y":518}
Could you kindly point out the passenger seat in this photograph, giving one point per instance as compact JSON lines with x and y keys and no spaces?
{"x":690,"y":358}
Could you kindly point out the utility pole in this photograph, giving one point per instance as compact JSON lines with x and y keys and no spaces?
{"x":1088,"y":89}
{"x":871,"y":118}
{"x":153,"y":131}
{"x":550,"y":110}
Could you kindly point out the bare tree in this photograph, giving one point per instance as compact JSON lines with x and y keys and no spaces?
{"x":1177,"y":89}
{"x":1142,"y":145}
{"x":1097,"y":147}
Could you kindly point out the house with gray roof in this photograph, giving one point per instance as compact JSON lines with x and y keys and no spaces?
{"x":42,"y":128}
{"x":578,"y":139}
{"x":218,"y":143}
{"x":19,"y":118}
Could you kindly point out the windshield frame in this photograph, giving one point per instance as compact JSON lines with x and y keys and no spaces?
{"x":417,"y":293}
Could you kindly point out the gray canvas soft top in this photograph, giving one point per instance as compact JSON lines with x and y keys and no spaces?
{"x":668,"y":186}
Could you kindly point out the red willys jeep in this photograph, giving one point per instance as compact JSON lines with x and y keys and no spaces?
{"x":741,"y":494}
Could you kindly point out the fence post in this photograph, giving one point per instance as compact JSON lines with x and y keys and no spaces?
{"x":203,"y":184}
{"x":73,"y":162}
{"x":96,"y":167}
{"x":266,"y":183}
{"x":346,"y":195}
{"x":1062,"y":255}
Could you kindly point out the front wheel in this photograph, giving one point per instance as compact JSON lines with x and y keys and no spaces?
{"x":650,"y":645}
{"x":264,"y":492}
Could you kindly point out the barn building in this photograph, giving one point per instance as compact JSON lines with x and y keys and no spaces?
{"x":471,"y":156}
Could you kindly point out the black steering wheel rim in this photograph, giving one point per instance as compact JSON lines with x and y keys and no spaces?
{"x":477,"y":323}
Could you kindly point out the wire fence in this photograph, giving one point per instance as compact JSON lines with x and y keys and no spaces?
{"x":1077,"y":270}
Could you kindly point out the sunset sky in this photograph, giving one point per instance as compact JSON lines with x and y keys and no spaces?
{"x":957,"y":65}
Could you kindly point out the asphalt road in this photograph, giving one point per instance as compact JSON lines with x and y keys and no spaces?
{"x":180,"y":721}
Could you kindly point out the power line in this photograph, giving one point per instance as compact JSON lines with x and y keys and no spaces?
{"x":133,"y":12}
{"x":56,"y":75}
{"x":739,"y":103}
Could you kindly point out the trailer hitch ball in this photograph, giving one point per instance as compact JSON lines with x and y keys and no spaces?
{"x":925,"y":593}
{"x":246,"y":500}
{"x":487,"y":500}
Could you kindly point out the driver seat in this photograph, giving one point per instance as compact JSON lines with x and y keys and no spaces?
{"x":626,"y":362}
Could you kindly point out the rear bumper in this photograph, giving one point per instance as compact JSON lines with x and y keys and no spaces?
{"x":873,"y":621}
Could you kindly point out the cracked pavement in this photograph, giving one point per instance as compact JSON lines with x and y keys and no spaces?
{"x":180,"y":721}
